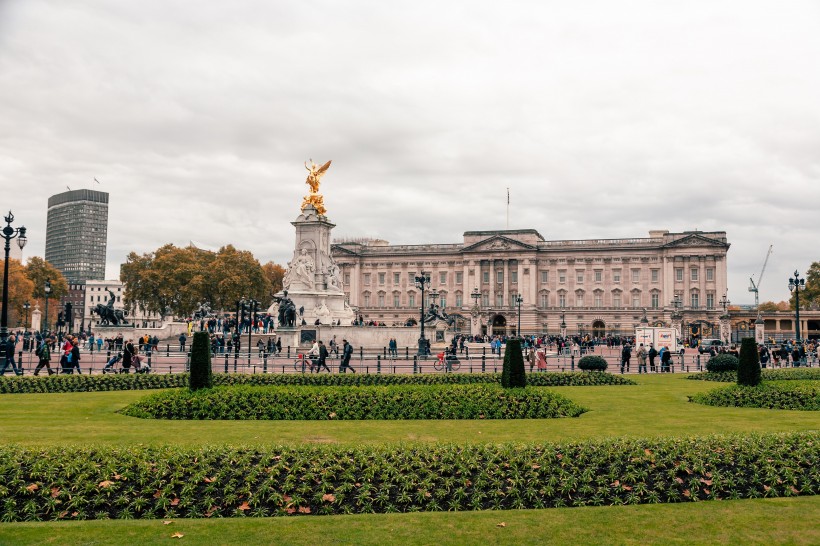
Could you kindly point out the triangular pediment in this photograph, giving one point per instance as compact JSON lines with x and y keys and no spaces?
{"x":695,"y":240}
{"x":498,"y":243}
{"x":337,"y":250}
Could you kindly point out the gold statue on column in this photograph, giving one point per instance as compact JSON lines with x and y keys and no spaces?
{"x":313,"y":179}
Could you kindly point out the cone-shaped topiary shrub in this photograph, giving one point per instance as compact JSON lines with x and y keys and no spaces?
{"x":748,"y":368}
{"x":512,"y":376}
{"x":201,"y":376}
{"x":592,"y":363}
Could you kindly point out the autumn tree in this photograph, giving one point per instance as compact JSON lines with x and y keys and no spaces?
{"x":275,"y":274}
{"x":177,"y":280}
{"x":39,"y":271}
{"x":20,"y":291}
{"x":770,"y":306}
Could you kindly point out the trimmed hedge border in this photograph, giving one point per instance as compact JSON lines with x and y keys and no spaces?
{"x":167,"y":482}
{"x":768,"y":374}
{"x":122,"y":382}
{"x":351,"y":403}
{"x":799,"y":396}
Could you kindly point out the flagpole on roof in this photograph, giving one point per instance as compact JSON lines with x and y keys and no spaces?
{"x":508,"y":208}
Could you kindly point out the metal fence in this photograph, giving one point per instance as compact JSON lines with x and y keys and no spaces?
{"x":476,"y":359}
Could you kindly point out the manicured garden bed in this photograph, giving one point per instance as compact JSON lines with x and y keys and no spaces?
{"x":96,"y":383}
{"x":789,"y":395}
{"x":367,"y":402}
{"x":61,"y":483}
{"x":767,"y":374}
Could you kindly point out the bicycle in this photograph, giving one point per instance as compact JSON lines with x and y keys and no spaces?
{"x":301,"y":363}
{"x":448,"y":363}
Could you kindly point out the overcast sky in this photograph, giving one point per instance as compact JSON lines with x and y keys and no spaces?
{"x":605,"y":119}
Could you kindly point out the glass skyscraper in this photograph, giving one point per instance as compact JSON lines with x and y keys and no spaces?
{"x":77,"y":234}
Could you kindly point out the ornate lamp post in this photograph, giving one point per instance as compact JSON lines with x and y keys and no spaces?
{"x":725,"y":328}
{"x":9,"y":233}
{"x":26,"y":307}
{"x":563,"y":326}
{"x":47,"y":290}
{"x":676,"y":316}
{"x":795,"y":285}
{"x":518,"y":300}
{"x":422,"y":281}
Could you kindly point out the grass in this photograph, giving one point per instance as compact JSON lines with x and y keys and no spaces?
{"x":658,"y":406}
{"x":758,"y":521}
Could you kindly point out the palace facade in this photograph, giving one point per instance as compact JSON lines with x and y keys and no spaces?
{"x":595,"y":286}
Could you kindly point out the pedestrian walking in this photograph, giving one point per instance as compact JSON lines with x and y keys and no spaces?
{"x":322,"y":360}
{"x":43,"y":353}
{"x":347,"y":353}
{"x":641,"y":358}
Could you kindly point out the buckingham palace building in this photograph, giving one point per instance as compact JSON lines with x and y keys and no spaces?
{"x":593,"y":286}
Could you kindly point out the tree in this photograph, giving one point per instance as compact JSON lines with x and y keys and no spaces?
{"x":748,"y":369}
{"x":201,"y":373}
{"x":275,"y":274}
{"x":811,"y":294}
{"x":177,"y":280}
{"x":512,"y":375}
{"x":768,"y":306}
{"x":39,"y":271}
{"x":20,"y":291}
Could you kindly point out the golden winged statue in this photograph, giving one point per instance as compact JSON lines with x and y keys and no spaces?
{"x":314,"y":178}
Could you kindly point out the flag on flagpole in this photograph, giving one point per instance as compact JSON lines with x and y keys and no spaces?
{"x":508,"y":196}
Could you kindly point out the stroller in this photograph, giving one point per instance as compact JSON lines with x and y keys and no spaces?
{"x":109,"y":367}
{"x":140,"y":364}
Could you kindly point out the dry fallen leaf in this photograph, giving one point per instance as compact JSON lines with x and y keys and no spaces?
{"x":105,"y":483}
{"x":329,"y":497}
{"x":175,"y":501}
{"x":208,"y":480}
{"x":167,"y":522}
{"x":32,"y":488}
{"x":502,"y":524}
{"x":177,"y":535}
{"x":304,"y":509}
{"x":244,"y":506}
{"x":117,"y":476}
{"x":55,"y":492}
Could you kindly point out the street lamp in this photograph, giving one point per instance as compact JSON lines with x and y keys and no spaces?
{"x":795,"y":285}
{"x":563,"y":325}
{"x":47,"y":290}
{"x":724,"y":301}
{"x":9,"y":233}
{"x":26,"y":307}
{"x":518,"y":300}
{"x":422,"y":281}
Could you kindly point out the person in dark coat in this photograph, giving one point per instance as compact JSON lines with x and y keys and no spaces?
{"x":322,"y":361}
{"x":347,"y":353}
{"x":128,"y":353}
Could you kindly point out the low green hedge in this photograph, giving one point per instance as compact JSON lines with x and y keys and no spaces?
{"x":592,"y":363}
{"x":723,"y":362}
{"x":345,"y":403}
{"x":120,"y":382}
{"x":768,"y":374}
{"x":794,"y":395}
{"x":71,"y":483}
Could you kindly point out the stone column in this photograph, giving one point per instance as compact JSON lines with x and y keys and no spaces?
{"x":725,"y":328}
{"x":760,"y":331}
{"x":36,"y":318}
{"x":491,"y":265}
{"x":506,"y":286}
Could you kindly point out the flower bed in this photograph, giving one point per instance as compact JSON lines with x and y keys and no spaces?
{"x":168,"y":482}
{"x":792,"y":395}
{"x":93,"y":383}
{"x":345,"y":403}
{"x":768,"y":374}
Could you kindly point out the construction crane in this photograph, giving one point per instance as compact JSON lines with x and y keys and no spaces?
{"x":755,"y":287}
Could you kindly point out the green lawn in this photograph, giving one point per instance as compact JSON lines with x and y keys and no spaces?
{"x":759,"y":521}
{"x":658,"y":406}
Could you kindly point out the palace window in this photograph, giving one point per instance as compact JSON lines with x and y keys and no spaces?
{"x":381,"y":279}
{"x":458,"y":300}
{"x":514,"y":277}
{"x":545,"y":276}
{"x":710,"y":300}
{"x":636,"y":275}
{"x":442,"y":301}
{"x":678,"y":274}
{"x":459,"y":277}
{"x":367,"y":279}
{"x":381,"y":300}
{"x":396,"y":279}
{"x":694,"y":274}
{"x":616,"y":275}
{"x":599,"y":275}
{"x":579,"y":300}
{"x":367,"y":300}
{"x":411,"y":278}
{"x":695,"y":299}
{"x":710,"y":273}
{"x":485,"y":299}
{"x":442,"y":277}
{"x":499,"y":277}
{"x":411,"y":300}
{"x":616,"y":300}
{"x":655,"y":298}
{"x":562,"y":276}
{"x":636,"y":300}
{"x":599,"y":300}
{"x":347,"y":279}
{"x":544,"y":300}
{"x":579,"y":277}
{"x":486,"y":277}
{"x":499,"y":300}
{"x":562,"y":300}
{"x":656,"y":275}
{"x":396,"y":300}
